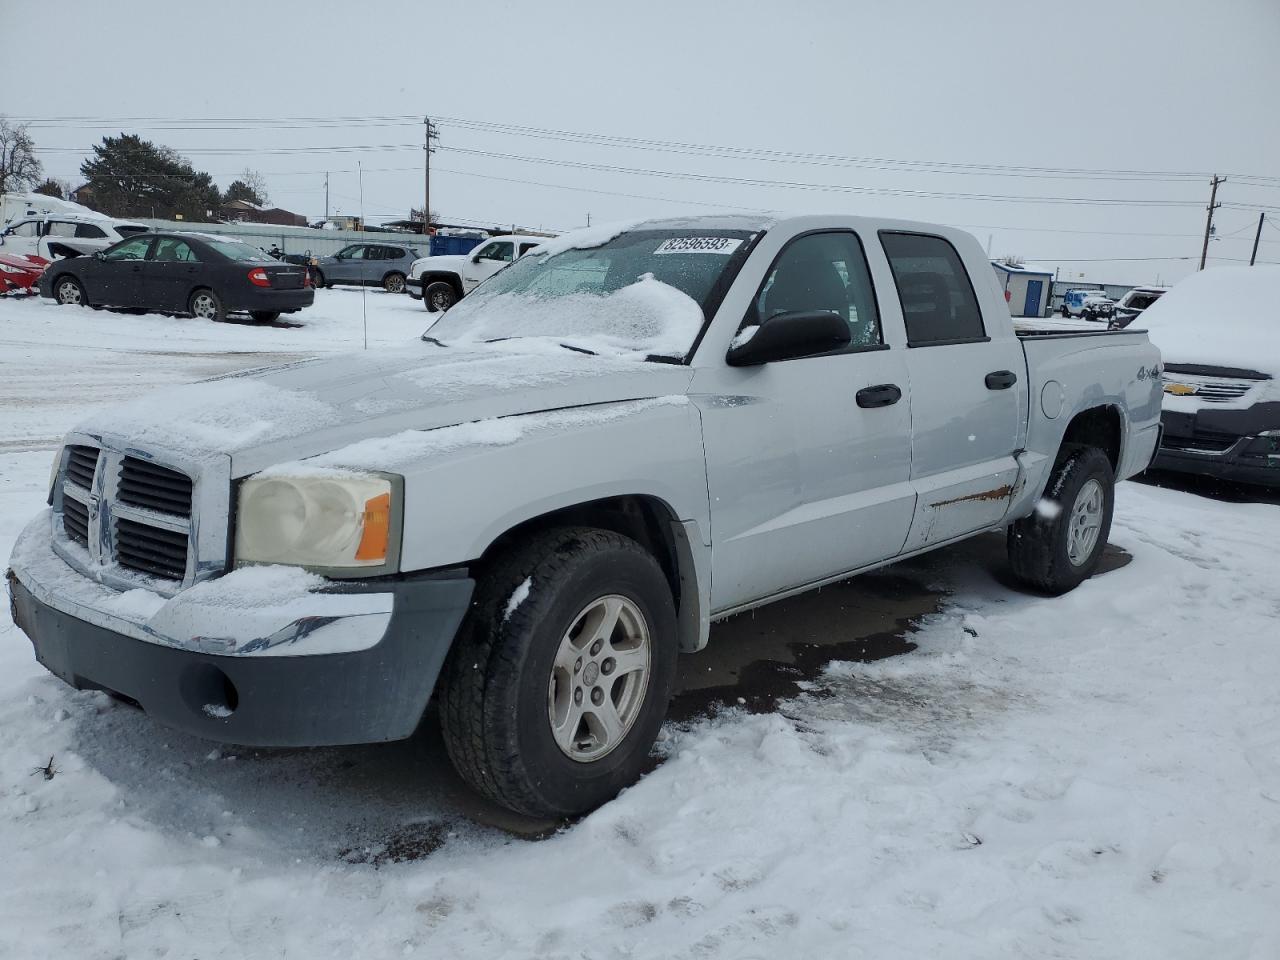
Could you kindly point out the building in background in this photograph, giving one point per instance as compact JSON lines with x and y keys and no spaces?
{"x":242,"y":211}
{"x":1026,"y":287}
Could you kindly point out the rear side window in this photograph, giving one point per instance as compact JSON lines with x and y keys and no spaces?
{"x":526,"y":247}
{"x":393,"y":253}
{"x":60,"y":228}
{"x":938,"y":302}
{"x":126,"y":231}
{"x":87,"y":231}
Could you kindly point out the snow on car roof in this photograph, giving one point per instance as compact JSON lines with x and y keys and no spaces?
{"x":1223,"y":316}
{"x":1034,"y":268}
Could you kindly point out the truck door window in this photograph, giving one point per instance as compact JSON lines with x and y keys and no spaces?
{"x":497,"y":251}
{"x":526,"y":247}
{"x":938,"y":302}
{"x":27,"y":229}
{"x":60,"y":228}
{"x":822,"y":271}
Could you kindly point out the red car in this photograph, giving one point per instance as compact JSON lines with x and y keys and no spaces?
{"x":18,"y":274}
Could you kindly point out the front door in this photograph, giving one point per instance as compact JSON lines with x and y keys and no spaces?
{"x":349,"y":266}
{"x":1034,"y":291}
{"x":965,"y":393}
{"x":486,"y":261}
{"x":808,"y":460}
{"x":117,"y":279}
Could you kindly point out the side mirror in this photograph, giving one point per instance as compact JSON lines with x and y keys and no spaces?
{"x":97,"y":254}
{"x":789,"y":336}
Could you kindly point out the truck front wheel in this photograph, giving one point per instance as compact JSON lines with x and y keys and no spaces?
{"x":1059,"y":545}
{"x":439,"y":296}
{"x":556,"y":688}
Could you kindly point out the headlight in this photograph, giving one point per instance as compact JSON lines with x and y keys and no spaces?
{"x":331,"y":522}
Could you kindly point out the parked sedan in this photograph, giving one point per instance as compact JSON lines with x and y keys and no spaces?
{"x":366,"y":264}
{"x":200,"y":274}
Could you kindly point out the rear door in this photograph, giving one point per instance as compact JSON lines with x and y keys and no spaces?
{"x":169,"y":273}
{"x":965,"y":399}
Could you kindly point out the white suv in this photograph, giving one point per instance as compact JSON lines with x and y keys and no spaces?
{"x":63,"y":235}
{"x":442,"y":281}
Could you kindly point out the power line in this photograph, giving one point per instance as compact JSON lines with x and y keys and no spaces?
{"x":602,"y":139}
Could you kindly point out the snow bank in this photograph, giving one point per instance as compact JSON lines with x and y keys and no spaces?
{"x":1224,"y":316}
{"x":646,"y":317}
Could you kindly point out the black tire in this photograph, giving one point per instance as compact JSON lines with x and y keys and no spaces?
{"x":265,"y":316}
{"x":317,"y":278}
{"x":494,"y":695}
{"x":206,"y":305}
{"x":1040,"y":545}
{"x":393,"y":283}
{"x":1065,"y":311}
{"x":439,"y":296}
{"x":69,"y":292}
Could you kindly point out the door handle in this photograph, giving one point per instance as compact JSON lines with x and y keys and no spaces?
{"x":1001,"y":380}
{"x":881,"y":395}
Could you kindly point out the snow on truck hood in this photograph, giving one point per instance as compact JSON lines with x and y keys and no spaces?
{"x":265,"y":417}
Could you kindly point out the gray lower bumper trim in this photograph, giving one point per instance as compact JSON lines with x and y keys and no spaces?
{"x":365,"y":696}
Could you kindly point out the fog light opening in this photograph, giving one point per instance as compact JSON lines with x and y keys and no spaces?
{"x":209,"y":691}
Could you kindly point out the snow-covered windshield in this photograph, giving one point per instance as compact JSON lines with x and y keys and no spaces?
{"x":641,"y":293}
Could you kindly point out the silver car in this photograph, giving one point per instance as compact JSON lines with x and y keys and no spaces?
{"x":363,"y":264}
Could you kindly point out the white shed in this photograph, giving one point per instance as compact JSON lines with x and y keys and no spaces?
{"x":1026,"y":287}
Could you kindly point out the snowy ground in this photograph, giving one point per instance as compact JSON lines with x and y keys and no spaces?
{"x":1096,"y":775}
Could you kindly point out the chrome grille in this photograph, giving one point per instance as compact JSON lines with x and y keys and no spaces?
{"x":153,"y":487}
{"x":1204,"y":441}
{"x":1212,"y":389}
{"x":152,"y":550}
{"x":81,"y":464}
{"x":127,"y":520}
{"x":75,"y":520}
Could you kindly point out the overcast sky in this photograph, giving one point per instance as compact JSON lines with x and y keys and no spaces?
{"x":874,"y":96}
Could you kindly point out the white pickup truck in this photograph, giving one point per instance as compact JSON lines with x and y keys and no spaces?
{"x":620,"y":439}
{"x":442,"y":281}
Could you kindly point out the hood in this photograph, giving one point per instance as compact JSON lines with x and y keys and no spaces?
{"x":263,"y":417}
{"x":452,"y":261}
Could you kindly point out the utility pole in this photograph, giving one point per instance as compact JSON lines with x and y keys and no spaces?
{"x":1208,"y":224}
{"x":430,"y":134}
{"x":1256,"y":237}
{"x":326,"y":196}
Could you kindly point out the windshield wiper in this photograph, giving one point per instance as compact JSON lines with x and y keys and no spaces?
{"x":438,"y":343}
{"x":570,"y":346}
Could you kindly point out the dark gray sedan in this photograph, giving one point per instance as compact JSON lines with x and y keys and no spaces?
{"x":205,"y":275}
{"x":366,"y":264}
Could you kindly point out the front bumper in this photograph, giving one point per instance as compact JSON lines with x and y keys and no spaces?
{"x":354,"y":662}
{"x":413,"y":287}
{"x":1224,"y":444}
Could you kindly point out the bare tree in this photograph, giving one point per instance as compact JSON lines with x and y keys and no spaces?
{"x":257,"y":184}
{"x":19,"y":167}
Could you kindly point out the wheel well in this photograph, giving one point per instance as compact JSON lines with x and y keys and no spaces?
{"x":645,"y":519}
{"x":450,"y":278}
{"x":1097,"y":427}
{"x":392,"y":273}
